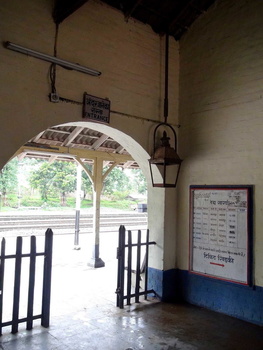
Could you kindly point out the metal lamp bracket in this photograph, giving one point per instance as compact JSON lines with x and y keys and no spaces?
{"x":174,"y":133}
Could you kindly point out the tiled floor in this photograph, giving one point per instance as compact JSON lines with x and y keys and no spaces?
{"x":84,"y":315}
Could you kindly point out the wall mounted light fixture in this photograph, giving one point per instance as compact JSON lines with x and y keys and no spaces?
{"x":166,"y":159}
{"x":164,"y":156}
{"x":52,"y":59}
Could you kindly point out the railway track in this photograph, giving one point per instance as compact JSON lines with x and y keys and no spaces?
{"x":64,"y":223}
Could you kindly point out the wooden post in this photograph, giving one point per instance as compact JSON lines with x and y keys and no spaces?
{"x":139,"y":291}
{"x":146,"y":264}
{"x":138,"y":268}
{"x":129,"y":268}
{"x":31,"y":285}
{"x":96,"y":261}
{"x":2,"y":274}
{"x":16,"y":297}
{"x":121,"y":262}
{"x":47,"y":279}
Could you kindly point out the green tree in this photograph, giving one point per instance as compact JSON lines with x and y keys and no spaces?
{"x":139,"y":181}
{"x":65,"y":179}
{"x":86,"y":184}
{"x":117,"y":180}
{"x":58,"y":176}
{"x":41,"y":179}
{"x":8,"y":179}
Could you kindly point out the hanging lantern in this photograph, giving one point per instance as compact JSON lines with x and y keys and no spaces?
{"x":166,"y":159}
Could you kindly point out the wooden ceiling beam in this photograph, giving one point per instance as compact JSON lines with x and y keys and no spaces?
{"x":38,"y":137}
{"x":76,"y":152}
{"x":72,"y":136}
{"x":119,"y":150}
{"x":128,"y":164}
{"x":99,"y":142}
{"x":129,"y":13}
{"x":64,"y":8}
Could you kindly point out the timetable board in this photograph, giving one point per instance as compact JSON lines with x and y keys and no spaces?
{"x":220,"y":232}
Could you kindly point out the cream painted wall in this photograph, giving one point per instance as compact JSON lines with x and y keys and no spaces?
{"x":131,"y":59}
{"x":129,"y":55}
{"x":221,"y":110}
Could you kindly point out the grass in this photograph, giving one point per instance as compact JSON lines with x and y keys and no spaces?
{"x":54,"y":203}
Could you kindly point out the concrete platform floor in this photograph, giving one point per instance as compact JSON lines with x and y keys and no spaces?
{"x":84,"y":315}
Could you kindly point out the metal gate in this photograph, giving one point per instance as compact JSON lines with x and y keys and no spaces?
{"x":132,"y":251}
{"x":46,"y":286}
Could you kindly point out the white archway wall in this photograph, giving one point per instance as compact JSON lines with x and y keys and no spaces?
{"x":131,"y":59}
{"x":133,"y":147}
{"x":161,"y":216}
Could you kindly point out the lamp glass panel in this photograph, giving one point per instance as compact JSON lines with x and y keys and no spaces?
{"x":169,"y":173}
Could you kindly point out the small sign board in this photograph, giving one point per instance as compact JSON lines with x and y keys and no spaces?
{"x":221,"y":232}
{"x":96,"y":109}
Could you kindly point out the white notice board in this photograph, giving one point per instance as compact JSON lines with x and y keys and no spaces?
{"x":221,"y":232}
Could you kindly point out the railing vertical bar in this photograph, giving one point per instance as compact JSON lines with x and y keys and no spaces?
{"x":31,"y":285}
{"x":2,"y":275}
{"x":129,"y":268}
{"x":138,"y":268}
{"x":17,"y":281}
{"x":47,"y":279}
{"x":118,"y":270}
{"x":122,"y":262}
{"x":146,"y":264}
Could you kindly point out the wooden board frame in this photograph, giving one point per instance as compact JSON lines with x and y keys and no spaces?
{"x":221,"y":226}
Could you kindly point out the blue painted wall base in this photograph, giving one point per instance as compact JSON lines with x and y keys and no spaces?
{"x":233,"y":299}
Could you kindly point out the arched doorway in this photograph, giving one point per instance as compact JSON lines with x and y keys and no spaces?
{"x":55,"y":143}
{"x":134,"y":150}
{"x":89,"y":144}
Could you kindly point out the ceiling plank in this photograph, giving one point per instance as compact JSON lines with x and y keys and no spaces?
{"x":21,"y":156}
{"x":51,"y":159}
{"x":129,"y":13}
{"x":38,"y":137}
{"x":76,"y":152}
{"x":99,"y":142}
{"x":128,"y":164}
{"x":64,"y":8}
{"x":119,"y":150}
{"x":164,"y":16}
{"x":72,"y":136}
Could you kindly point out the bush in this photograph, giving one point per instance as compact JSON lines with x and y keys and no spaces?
{"x":118,"y":195}
{"x":118,"y":200}
{"x":31,"y":202}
